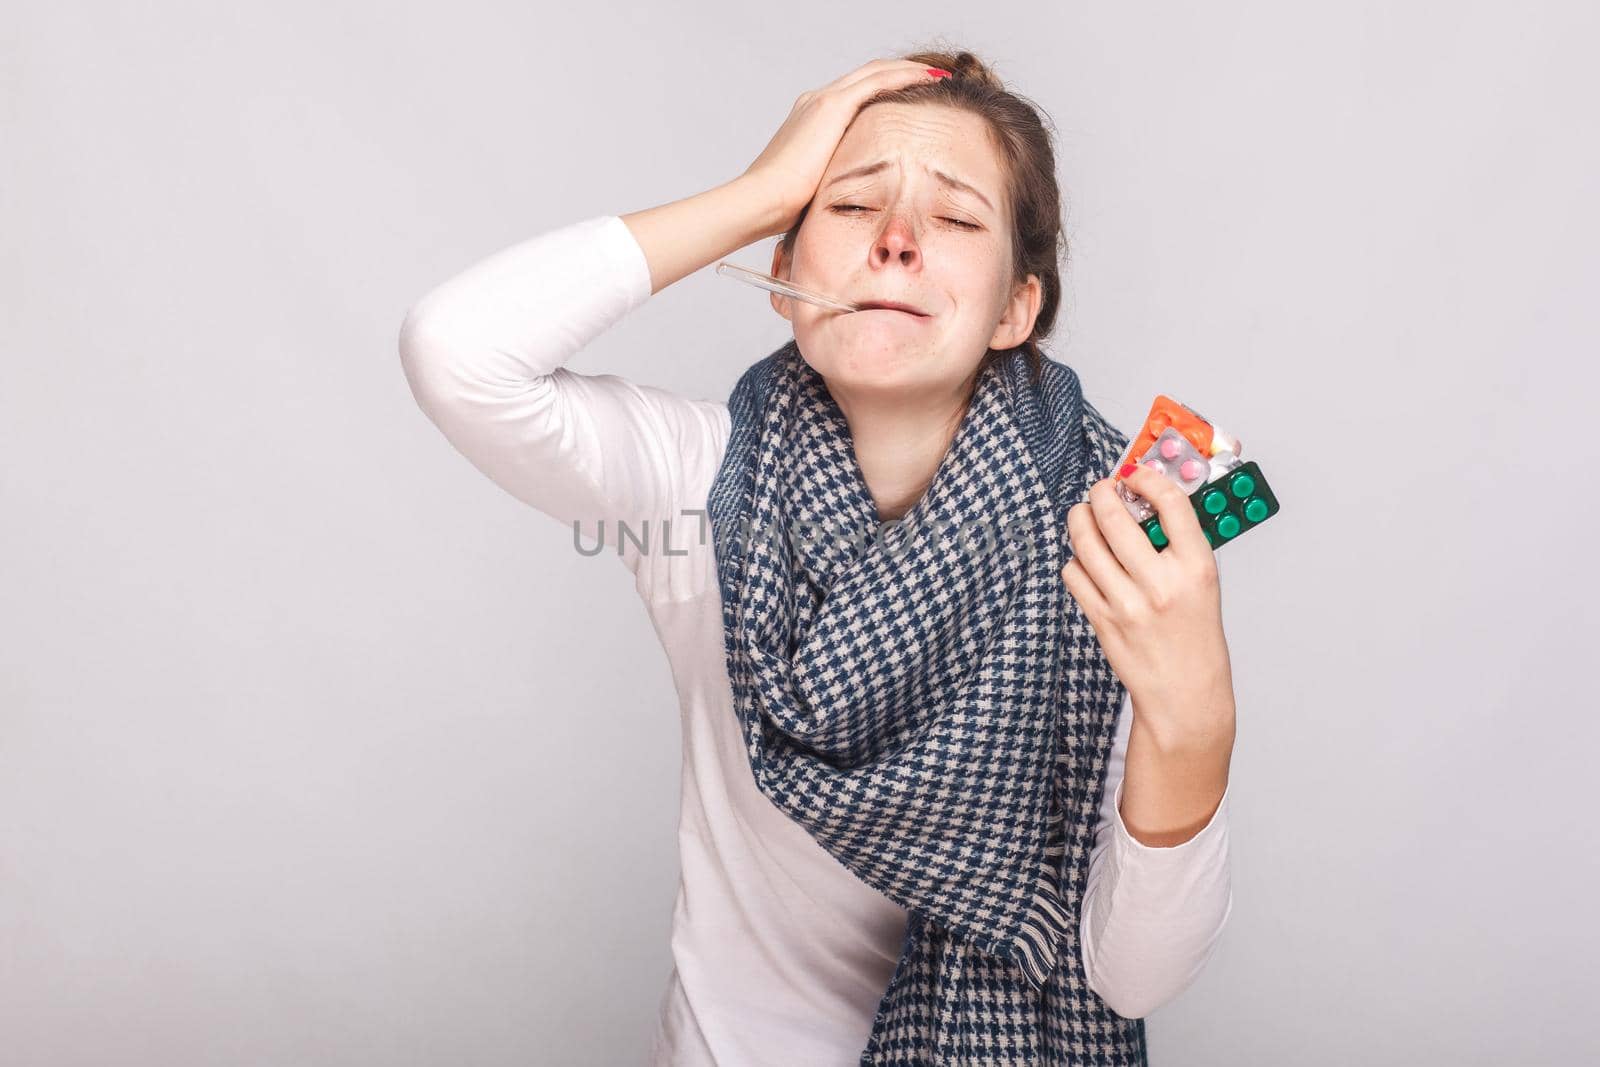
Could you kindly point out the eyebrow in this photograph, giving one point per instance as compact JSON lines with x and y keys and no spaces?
{"x":952,"y":182}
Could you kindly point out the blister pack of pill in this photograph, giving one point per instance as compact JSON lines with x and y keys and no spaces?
{"x":1201,"y":457}
{"x":1175,"y":456}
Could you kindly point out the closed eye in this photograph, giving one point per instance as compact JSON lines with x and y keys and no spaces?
{"x":847,"y":208}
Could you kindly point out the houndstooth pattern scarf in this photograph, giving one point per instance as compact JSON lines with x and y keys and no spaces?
{"x":937,"y":716}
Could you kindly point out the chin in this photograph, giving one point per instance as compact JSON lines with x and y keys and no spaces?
{"x":872,"y":364}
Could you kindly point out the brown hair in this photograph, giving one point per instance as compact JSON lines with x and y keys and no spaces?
{"x":1022,"y":136}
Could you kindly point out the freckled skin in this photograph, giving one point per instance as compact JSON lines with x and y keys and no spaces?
{"x":906,"y":247}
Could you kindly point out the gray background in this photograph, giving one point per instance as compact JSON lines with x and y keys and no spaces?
{"x":317,"y":748}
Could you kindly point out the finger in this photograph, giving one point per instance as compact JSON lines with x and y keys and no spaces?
{"x":1121,"y":530}
{"x":897,"y":72}
{"x":866,"y":69}
{"x":876,"y":66}
{"x":1089,"y":545}
{"x":1174,"y":510}
{"x":1083,"y":589}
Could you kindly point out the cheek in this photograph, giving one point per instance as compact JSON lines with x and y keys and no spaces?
{"x":821,"y":255}
{"x":974,"y":281}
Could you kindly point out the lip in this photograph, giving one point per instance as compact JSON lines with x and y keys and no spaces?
{"x":892,"y":305}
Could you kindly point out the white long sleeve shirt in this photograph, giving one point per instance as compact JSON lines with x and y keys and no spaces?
{"x":780,"y":954}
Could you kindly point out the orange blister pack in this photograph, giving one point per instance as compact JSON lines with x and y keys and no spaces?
{"x":1158,"y":444}
{"x":1169,"y":412}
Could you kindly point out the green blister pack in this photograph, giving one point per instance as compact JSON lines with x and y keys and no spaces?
{"x":1227,"y":507}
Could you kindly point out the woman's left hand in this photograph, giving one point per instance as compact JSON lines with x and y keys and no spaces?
{"x":1158,"y":615}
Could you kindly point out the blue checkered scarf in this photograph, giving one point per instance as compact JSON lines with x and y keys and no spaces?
{"x":928,"y":701}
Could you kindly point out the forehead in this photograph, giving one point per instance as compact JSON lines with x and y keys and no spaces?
{"x":913,"y":136}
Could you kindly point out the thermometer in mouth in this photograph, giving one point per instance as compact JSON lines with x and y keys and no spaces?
{"x":783,"y":288}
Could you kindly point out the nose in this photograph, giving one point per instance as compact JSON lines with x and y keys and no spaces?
{"x":896,"y":241}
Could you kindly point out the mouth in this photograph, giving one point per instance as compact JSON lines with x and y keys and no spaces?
{"x":891,"y":305}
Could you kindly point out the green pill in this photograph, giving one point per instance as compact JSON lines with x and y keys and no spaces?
{"x":1229,"y":506}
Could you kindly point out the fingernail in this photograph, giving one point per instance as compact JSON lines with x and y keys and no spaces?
{"x":935,"y":72}
{"x":1127,"y":470}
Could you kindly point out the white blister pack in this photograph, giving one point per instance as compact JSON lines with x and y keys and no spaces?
{"x":1175,"y":456}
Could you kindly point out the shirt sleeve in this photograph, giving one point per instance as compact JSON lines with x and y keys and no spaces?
{"x":483,"y":353}
{"x":1151,"y":916}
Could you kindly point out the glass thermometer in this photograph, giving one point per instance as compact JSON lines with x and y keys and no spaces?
{"x":783,"y":288}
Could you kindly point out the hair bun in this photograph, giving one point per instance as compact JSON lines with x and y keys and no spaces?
{"x":962,"y":65}
{"x":968,"y":67}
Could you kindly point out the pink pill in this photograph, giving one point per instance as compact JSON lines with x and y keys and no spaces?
{"x":1192,"y":469}
{"x":1171,"y":449}
{"x":1155,"y":465}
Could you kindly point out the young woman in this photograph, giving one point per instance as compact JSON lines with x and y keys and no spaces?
{"x":938,"y":806}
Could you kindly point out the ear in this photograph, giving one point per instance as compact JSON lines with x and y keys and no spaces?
{"x":1016,"y":323}
{"x":780,"y":269}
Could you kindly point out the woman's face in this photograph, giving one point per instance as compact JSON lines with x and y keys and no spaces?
{"x":885,"y":225}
